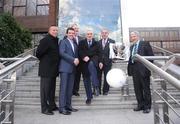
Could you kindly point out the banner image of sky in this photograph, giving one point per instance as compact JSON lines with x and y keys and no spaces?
{"x":96,"y":14}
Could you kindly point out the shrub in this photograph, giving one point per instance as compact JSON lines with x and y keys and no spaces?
{"x":13,"y":37}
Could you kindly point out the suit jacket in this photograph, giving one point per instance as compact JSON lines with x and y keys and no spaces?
{"x":144,"y":49}
{"x":48,"y":54}
{"x":93,"y":52}
{"x":105,"y":52}
{"x":67,"y":56}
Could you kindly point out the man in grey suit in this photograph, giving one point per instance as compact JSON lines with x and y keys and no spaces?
{"x":67,"y":68}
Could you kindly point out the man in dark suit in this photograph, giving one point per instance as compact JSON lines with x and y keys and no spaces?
{"x":140,"y":74}
{"x":77,"y":39}
{"x":106,"y":60}
{"x":67,"y":68}
{"x":48,"y":54}
{"x":89,"y":53}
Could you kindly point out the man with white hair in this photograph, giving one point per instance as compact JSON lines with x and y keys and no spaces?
{"x":89,"y":53}
{"x":140,"y":74}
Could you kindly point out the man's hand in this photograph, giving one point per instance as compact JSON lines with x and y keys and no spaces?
{"x":86,"y":59}
{"x":76,"y":61}
{"x":100,"y":65}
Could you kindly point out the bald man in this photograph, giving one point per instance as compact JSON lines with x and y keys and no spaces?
{"x":48,"y":55}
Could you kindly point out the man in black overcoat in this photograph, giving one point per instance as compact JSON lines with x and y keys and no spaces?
{"x":48,"y":55}
{"x":89,"y":53}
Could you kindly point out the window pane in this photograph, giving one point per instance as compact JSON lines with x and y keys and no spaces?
{"x":31,"y":7}
{"x":8,"y":6}
{"x":1,"y":3}
{"x":43,"y":10}
{"x":43,"y":2}
{"x":19,"y":2}
{"x":1,"y":9}
{"x":19,"y":11}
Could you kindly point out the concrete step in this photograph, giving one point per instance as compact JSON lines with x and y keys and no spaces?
{"x":28,"y":93}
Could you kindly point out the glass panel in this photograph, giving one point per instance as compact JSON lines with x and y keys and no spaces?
{"x":42,"y":1}
{"x":43,"y":10}
{"x":91,"y":13}
{"x":8,"y":6}
{"x":31,"y":7}
{"x":19,"y":2}
{"x":19,"y":11}
{"x":1,"y":9}
{"x":1,"y":3}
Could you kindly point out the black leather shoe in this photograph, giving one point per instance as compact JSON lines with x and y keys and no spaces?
{"x":146,"y":111}
{"x":48,"y":112}
{"x":72,"y":109}
{"x":88,"y":101}
{"x":55,"y":109}
{"x":138,"y":109}
{"x":76,"y":94}
{"x":105,"y":93}
{"x":65,"y":112}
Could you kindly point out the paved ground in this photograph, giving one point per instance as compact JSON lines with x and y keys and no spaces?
{"x":84,"y":116}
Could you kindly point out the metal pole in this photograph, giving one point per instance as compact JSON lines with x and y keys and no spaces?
{"x":165,"y":106}
{"x":172,"y":80}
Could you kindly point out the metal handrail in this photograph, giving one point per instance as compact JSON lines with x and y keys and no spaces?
{"x":172,"y":80}
{"x":162,"y":50}
{"x":8,"y":61}
{"x":26,"y":53}
{"x":165,"y":76}
{"x":8,"y":77}
{"x":15,"y":65}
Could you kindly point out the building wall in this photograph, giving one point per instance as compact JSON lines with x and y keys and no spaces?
{"x":36,"y":15}
{"x":165,"y":37}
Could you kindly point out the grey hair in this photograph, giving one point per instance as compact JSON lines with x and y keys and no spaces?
{"x":136,"y":33}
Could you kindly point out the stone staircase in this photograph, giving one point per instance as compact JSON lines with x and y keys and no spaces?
{"x":28,"y":93}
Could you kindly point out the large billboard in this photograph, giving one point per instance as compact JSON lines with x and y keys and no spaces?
{"x":96,"y":14}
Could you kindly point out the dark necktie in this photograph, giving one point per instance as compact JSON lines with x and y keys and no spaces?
{"x":134,"y":52}
{"x":89,"y":44}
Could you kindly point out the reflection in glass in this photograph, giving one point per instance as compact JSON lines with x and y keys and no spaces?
{"x":42,"y":1}
{"x":19,"y":2}
{"x":97,"y":14}
{"x":1,"y":3}
{"x":1,"y":6}
{"x":19,"y":11}
{"x":31,"y":7}
{"x":42,"y":10}
{"x":8,"y":6}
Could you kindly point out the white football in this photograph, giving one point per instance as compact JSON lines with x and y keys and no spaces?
{"x":116,"y":78}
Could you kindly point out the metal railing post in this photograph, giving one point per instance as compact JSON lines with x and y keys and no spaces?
{"x":165,"y":106}
{"x":155,"y":104}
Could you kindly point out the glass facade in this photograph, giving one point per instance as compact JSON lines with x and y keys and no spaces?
{"x":1,"y":6}
{"x":96,"y":14}
{"x":26,"y":7}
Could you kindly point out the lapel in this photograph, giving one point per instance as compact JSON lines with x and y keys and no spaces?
{"x":107,"y":43}
{"x":69,"y":46}
{"x":86,"y":44}
{"x":139,"y":47}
